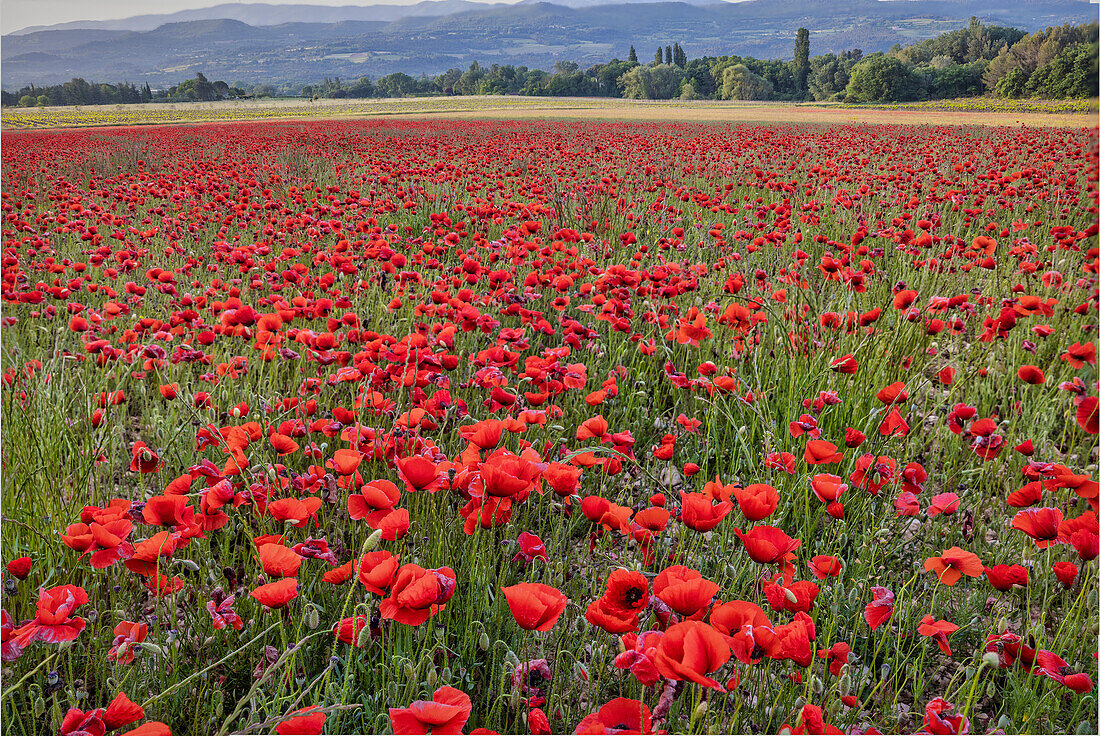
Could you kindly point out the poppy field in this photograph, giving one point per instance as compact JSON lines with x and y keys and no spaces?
{"x":549,"y":427}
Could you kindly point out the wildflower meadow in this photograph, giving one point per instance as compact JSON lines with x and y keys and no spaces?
{"x":479,"y":426}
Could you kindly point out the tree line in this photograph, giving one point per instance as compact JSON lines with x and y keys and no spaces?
{"x":79,"y":92}
{"x":1058,"y":63}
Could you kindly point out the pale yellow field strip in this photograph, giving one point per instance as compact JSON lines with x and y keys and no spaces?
{"x":1075,"y":114}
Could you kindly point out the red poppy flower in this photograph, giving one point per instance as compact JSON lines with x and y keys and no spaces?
{"x":699,"y":513}
{"x":691,"y":651}
{"x":143,"y":459}
{"x":53,"y":622}
{"x":308,"y":720}
{"x":446,"y":713}
{"x":618,"y":716}
{"x":953,"y":563}
{"x":279,"y":561}
{"x":277,"y":594}
{"x":1003,"y":577}
{"x":767,"y":544}
{"x":536,"y":607}
{"x":879,"y":611}
{"x":757,"y":501}
{"x":820,"y":452}
{"x":417,"y":594}
{"x":939,"y":631}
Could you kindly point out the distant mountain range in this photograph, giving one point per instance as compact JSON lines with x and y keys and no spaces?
{"x":300,"y":44}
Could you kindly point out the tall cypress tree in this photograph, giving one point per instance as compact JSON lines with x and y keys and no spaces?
{"x":633,"y":58}
{"x":679,"y":58}
{"x":668,"y":54}
{"x":800,"y":67}
{"x":659,"y":57}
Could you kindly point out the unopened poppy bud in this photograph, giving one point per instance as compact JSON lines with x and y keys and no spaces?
{"x":845,"y":685}
{"x":699,"y":712}
{"x":483,"y":642}
{"x":580,"y":672}
{"x":431,"y":679}
{"x":313,"y":619}
{"x":189,"y":565}
{"x":991,"y":659}
{"x":818,"y":686}
{"x":789,"y":595}
{"x":372,"y":540}
{"x":1004,"y":723}
{"x":1083,"y":727}
{"x":39,"y":707}
{"x":410,"y":671}
{"x":514,"y":699}
{"x":147,"y":646}
{"x":991,"y":689}
{"x":884,"y":670}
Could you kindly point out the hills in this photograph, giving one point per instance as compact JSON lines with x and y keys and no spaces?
{"x":300,"y":44}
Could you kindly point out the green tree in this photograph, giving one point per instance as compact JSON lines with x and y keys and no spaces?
{"x":1013,"y":84}
{"x":633,"y":57}
{"x":28,"y":101}
{"x":660,"y":82}
{"x":679,"y":58}
{"x":739,"y":83}
{"x":881,"y":78}
{"x":800,"y":67}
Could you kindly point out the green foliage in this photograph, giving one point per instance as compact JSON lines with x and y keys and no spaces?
{"x":882,"y":78}
{"x":659,"y":82}
{"x":740,"y":83}
{"x":800,"y":67}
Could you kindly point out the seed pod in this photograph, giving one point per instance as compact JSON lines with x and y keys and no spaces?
{"x":991,"y":689}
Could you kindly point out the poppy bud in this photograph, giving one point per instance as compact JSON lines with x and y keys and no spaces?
{"x":483,"y":642}
{"x":410,"y":670}
{"x":699,"y":712}
{"x":372,"y":540}
{"x":313,"y":619}
{"x":845,"y":685}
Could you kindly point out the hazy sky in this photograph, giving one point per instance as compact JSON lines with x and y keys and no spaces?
{"x":16,"y":14}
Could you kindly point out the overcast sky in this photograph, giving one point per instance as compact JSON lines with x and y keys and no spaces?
{"x":16,"y":14}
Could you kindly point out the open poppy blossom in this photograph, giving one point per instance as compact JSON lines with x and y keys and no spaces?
{"x":536,"y":607}
{"x":953,"y":563}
